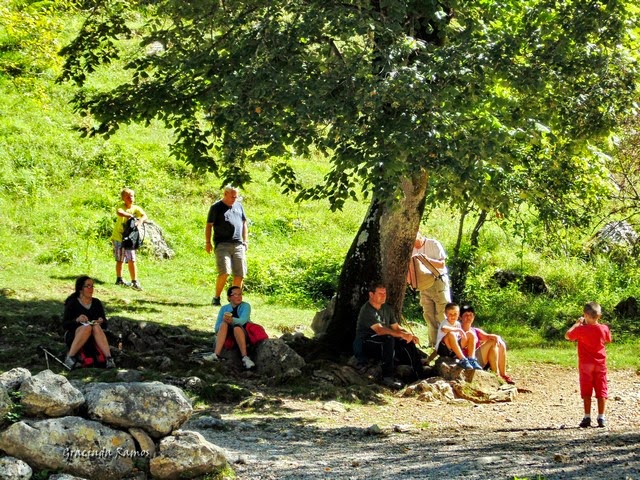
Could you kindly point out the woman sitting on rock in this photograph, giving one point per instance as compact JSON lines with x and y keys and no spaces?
{"x":84,"y":322}
{"x":231,"y":327}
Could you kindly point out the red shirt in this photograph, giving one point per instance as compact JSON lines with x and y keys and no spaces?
{"x":591,"y":341}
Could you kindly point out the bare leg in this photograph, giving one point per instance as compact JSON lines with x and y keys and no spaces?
{"x":241,"y":340}
{"x":602,"y":402}
{"x":118,"y":269}
{"x":489,"y":352}
{"x":587,"y":405}
{"x":133,"y":270}
{"x":502,"y":357}
{"x":221,"y":336}
{"x":101,"y":340}
{"x":237,"y":281}
{"x":81,"y":336}
{"x":469,"y":342}
{"x":220,"y":283}
{"x":451,"y":341}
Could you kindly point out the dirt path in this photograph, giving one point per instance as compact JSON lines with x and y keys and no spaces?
{"x":536,"y":436}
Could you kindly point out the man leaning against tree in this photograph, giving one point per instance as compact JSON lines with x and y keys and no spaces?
{"x":228,"y":223}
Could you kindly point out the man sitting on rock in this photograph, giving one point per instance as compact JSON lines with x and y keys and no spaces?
{"x":379,"y":337}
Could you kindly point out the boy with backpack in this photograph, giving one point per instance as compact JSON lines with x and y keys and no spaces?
{"x":125,"y":253}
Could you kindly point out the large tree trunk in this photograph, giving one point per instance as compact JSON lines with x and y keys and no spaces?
{"x":379,"y":252}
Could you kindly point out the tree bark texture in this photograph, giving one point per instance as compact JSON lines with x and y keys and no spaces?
{"x":380,"y":252}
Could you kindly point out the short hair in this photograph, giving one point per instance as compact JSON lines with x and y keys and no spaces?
{"x":451,"y":306}
{"x":127,"y":191}
{"x":593,"y":309}
{"x":376,"y":285}
{"x":229,"y":188}
{"x":231,"y":289}
{"x":466,"y":308}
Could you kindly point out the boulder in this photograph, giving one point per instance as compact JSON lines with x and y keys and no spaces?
{"x":154,"y":240}
{"x":49,"y":394}
{"x":274,"y":358}
{"x":12,"y":379}
{"x":527,"y":283}
{"x":618,"y":237}
{"x":322,"y":318}
{"x":186,"y":454}
{"x":71,"y":445}
{"x":5,"y":403}
{"x":65,"y":476}
{"x":14,"y":469}
{"x":478,"y":386}
{"x":153,"y":406}
{"x":627,"y":308}
{"x":430,"y":390}
{"x":144,"y":441}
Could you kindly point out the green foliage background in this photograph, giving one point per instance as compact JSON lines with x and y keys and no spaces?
{"x":58,"y":195}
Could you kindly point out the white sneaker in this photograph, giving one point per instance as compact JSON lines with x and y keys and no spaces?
{"x":70,"y":363}
{"x":247,"y":362}
{"x":211,"y":357}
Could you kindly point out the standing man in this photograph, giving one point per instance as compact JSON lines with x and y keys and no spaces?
{"x":230,"y":239}
{"x":379,"y":337}
{"x":428,"y":274}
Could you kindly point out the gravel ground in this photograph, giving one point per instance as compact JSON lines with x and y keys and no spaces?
{"x":536,"y":436}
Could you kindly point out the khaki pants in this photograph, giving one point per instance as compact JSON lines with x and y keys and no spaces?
{"x":433,"y":300}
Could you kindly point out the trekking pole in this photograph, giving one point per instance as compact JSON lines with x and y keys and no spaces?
{"x":48,"y":354}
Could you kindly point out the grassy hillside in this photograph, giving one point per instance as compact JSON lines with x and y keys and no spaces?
{"x":59,"y":192}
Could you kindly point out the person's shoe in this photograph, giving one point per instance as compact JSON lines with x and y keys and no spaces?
{"x":215,"y":301}
{"x":211,"y":357}
{"x":474,"y":363}
{"x":247,"y":363}
{"x":70,"y":362}
{"x":392,"y":383}
{"x":507,"y":379}
{"x":136,"y":285}
{"x":586,"y":422}
{"x":601,"y":422}
{"x":466,"y":364}
{"x":120,"y":281}
{"x":110,"y":363}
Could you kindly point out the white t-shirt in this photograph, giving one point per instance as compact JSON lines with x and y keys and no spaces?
{"x":441,"y":334}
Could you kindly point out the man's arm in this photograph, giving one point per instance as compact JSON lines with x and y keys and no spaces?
{"x":245,"y":235}
{"x":394,"y":331}
{"x":207,"y":237}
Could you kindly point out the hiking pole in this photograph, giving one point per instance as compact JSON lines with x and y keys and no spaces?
{"x":48,"y":354}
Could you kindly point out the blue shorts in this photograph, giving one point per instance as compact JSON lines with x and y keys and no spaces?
{"x":120,"y":254}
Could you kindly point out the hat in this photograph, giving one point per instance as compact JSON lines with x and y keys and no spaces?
{"x":467,"y":308}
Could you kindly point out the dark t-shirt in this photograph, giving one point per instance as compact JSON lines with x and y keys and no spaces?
{"x":73,"y":309}
{"x":369,"y":316}
{"x":227,"y":222}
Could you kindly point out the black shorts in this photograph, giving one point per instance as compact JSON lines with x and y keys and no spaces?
{"x":445,"y":351}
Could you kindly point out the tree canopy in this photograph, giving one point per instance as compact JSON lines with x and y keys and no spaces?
{"x":384,"y":88}
{"x":495,"y":101}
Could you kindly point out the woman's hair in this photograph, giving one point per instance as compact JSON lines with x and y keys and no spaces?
{"x":231,"y":289}
{"x":79,"y":285}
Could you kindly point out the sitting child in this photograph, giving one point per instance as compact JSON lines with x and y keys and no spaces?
{"x":452,"y":339}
